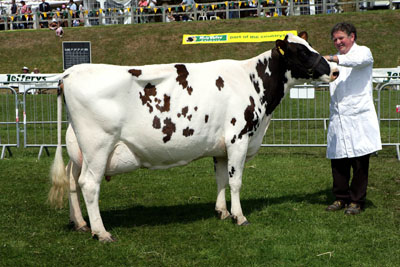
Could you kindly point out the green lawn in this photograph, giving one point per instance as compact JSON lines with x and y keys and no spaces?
{"x":166,"y":218}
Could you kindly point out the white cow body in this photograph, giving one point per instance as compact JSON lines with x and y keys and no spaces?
{"x":161,"y":116}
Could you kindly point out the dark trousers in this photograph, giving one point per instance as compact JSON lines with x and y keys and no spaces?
{"x":356,"y":191}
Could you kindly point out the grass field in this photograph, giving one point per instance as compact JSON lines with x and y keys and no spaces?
{"x":166,"y":218}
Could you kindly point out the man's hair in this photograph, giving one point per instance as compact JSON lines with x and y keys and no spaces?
{"x":348,"y":28}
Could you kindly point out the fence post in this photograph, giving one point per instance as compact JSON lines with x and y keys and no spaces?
{"x":291,"y":9}
{"x":324,"y":7}
{"x":6,"y":23}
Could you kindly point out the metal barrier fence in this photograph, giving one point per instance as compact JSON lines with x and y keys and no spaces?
{"x":388,"y":109}
{"x":40,"y":118}
{"x":299,"y":121}
{"x":9,"y":119}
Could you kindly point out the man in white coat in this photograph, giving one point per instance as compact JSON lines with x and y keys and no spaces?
{"x":353,"y":132}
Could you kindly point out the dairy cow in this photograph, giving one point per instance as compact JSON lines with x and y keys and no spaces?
{"x":160,"y":116}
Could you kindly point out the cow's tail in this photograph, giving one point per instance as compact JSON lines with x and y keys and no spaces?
{"x":60,"y":182}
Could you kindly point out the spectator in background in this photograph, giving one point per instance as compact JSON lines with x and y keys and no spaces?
{"x":25,"y":69}
{"x":44,"y":7}
{"x":24,"y":12}
{"x":35,"y":71}
{"x":81,"y":13}
{"x":56,"y":26}
{"x":14,"y":12}
{"x":170,"y":17}
{"x":189,"y":5}
{"x":143,"y":4}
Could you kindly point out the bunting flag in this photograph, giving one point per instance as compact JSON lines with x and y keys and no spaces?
{"x":212,"y":6}
{"x":86,"y":12}
{"x":197,"y":5}
{"x":26,"y":17}
{"x":183,"y":7}
{"x":45,"y":14}
{"x":70,"y":12}
{"x":240,"y":3}
{"x":12,"y":18}
{"x":141,"y":9}
{"x":100,"y":10}
{"x":129,"y":9}
{"x":169,"y":9}
{"x":155,"y":10}
{"x":226,"y":3}
{"x":281,"y":1}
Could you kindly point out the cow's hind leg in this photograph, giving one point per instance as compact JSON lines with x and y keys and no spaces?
{"x":236,"y":159}
{"x":75,"y":213}
{"x":221,"y":173}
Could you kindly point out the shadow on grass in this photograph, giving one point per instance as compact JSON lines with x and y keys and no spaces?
{"x":186,"y":213}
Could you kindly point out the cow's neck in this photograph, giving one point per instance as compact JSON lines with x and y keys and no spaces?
{"x":269,"y":79}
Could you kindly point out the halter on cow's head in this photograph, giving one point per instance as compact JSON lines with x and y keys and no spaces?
{"x":303,"y":62}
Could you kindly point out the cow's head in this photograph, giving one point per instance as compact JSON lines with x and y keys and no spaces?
{"x":303,"y":62}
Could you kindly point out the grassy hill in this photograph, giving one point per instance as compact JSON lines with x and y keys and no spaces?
{"x":162,"y":42}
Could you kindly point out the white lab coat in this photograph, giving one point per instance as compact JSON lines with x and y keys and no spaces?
{"x":353,"y":124}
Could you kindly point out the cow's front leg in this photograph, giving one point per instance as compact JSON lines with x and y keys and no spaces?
{"x":236,"y":159}
{"x":75,"y":213}
{"x":89,"y":181}
{"x":221,"y":175}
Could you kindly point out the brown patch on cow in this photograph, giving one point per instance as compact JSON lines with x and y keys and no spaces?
{"x":185,"y":111}
{"x":168,"y":129}
{"x":220,"y":83}
{"x":156,"y":123}
{"x":179,"y":115}
{"x":149,"y":90}
{"x":182,"y":77}
{"x":233,"y":121}
{"x":195,"y":108}
{"x":150,"y":107}
{"x":157,"y":100}
{"x":190,"y":90}
{"x":135,"y":72}
{"x":206,"y":118}
{"x":188,"y":132}
{"x":166,"y":104}
{"x":189,"y":117}
{"x":233,"y":139}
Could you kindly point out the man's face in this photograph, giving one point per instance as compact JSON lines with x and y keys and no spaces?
{"x":342,"y":41}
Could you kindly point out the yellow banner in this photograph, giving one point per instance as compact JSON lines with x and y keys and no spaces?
{"x":240,"y":37}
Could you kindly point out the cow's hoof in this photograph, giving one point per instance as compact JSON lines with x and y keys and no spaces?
{"x":242,"y":221}
{"x":82,"y":229}
{"x":104,"y":239}
{"x":222,"y":214}
{"x":245,"y":223}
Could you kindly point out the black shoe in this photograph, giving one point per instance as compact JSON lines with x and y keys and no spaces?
{"x":337,"y":205}
{"x":353,"y":209}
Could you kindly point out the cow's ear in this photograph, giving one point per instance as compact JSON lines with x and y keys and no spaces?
{"x":281,"y":46}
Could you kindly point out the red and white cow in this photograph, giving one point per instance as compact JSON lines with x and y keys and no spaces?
{"x":161,"y":116}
